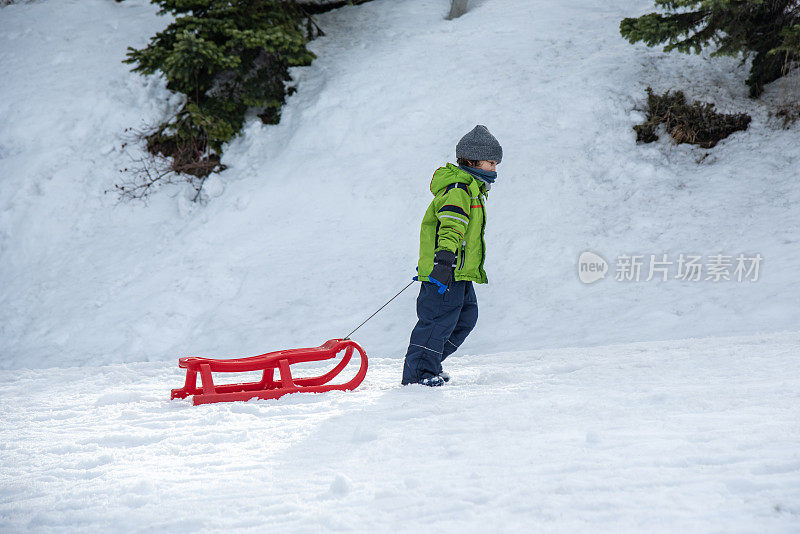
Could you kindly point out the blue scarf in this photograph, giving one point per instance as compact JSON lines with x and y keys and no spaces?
{"x":485,"y":176}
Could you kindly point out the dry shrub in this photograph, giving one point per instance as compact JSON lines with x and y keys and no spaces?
{"x":787,"y":114}
{"x":696,"y":123}
{"x":167,"y":162}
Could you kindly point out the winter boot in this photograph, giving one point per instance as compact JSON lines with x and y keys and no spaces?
{"x":433,"y":381}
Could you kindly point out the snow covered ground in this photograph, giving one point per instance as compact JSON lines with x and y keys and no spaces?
{"x":698,"y":435}
{"x":87,"y":281}
{"x":634,"y":426}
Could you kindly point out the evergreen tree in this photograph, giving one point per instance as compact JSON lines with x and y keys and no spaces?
{"x":765,"y":29}
{"x":226,"y":56}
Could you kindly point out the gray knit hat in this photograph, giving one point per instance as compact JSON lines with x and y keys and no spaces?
{"x":479,"y":145}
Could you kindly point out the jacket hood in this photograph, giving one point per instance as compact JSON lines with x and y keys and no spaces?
{"x":449,"y":174}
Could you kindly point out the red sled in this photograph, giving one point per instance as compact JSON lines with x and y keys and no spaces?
{"x":268,"y":387}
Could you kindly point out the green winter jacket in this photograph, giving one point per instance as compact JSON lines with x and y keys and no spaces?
{"x":455,"y":221}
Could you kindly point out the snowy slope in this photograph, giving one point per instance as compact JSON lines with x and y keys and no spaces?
{"x":689,"y":436}
{"x":315,"y":223}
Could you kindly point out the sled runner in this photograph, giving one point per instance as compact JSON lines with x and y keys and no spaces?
{"x":268,"y":387}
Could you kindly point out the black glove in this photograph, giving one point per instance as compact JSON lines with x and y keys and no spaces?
{"x":444,"y":263}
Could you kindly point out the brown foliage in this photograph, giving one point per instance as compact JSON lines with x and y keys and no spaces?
{"x":696,"y":123}
{"x":167,"y":162}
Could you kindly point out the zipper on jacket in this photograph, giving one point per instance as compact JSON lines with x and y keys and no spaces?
{"x":483,"y":241}
{"x":463,"y":253}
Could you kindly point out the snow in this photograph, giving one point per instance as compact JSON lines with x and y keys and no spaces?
{"x":615,"y":406}
{"x":698,"y":435}
{"x":314,"y":224}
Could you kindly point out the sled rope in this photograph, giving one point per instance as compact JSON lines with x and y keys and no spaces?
{"x":379,"y":309}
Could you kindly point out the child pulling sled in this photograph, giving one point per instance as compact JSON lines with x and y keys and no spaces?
{"x":451,"y":255}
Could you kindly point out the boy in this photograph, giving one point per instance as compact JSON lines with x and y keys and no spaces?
{"x":451,"y":254}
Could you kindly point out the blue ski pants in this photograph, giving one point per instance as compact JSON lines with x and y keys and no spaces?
{"x":444,"y":322}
